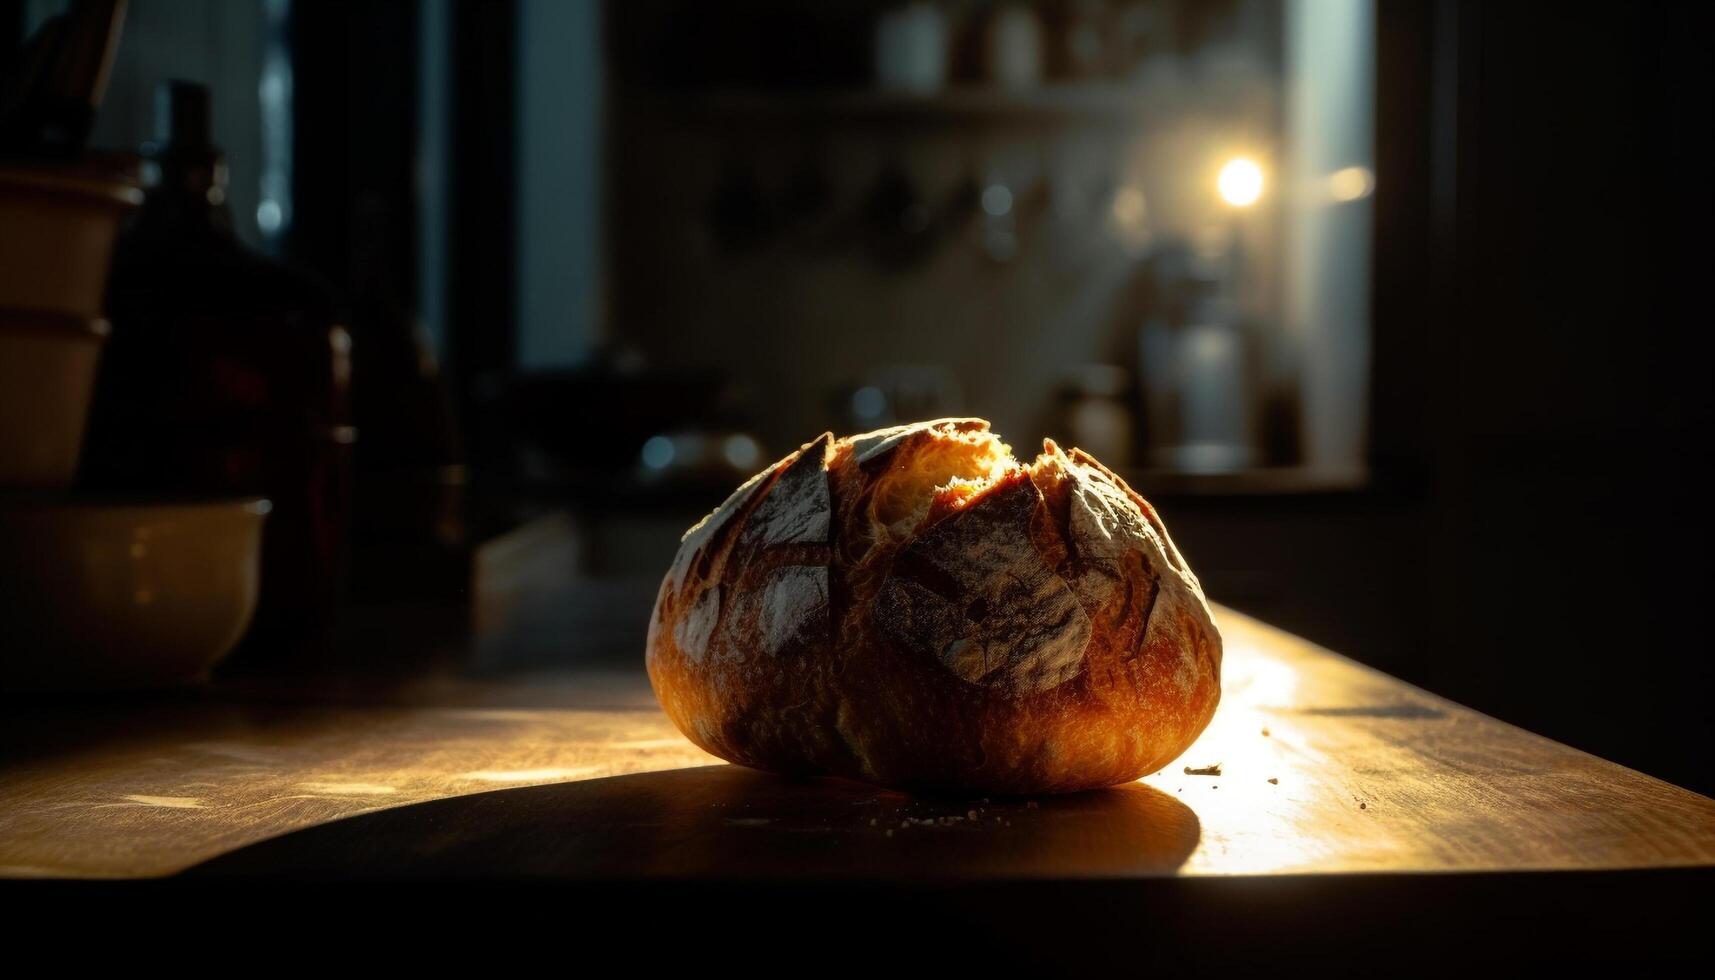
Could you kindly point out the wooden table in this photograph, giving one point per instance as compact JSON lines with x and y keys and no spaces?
{"x":1329,"y":773}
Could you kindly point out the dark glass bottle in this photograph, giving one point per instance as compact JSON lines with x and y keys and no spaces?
{"x":227,"y":373}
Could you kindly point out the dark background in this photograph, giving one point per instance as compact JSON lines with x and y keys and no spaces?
{"x":1533,"y":535}
{"x":1543,"y":362}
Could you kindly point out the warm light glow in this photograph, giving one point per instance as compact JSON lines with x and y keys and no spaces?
{"x":1241,"y":813}
{"x":552,"y":774}
{"x":1350,"y":184}
{"x":1240,"y":182}
{"x":1130,"y":213}
{"x":349,"y":789}
{"x":1129,"y":208}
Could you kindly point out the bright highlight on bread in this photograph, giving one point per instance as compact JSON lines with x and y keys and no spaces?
{"x":915,"y":608}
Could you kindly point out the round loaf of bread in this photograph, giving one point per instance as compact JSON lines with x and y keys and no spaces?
{"x":916,"y":609}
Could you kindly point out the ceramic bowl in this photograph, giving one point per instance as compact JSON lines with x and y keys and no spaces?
{"x":57,"y":229}
{"x":47,"y":373}
{"x":100,"y":595}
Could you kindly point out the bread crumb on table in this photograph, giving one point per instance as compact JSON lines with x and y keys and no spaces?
{"x":1209,"y":770}
{"x":1273,"y":780}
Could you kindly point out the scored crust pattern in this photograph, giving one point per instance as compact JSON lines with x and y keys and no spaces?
{"x":971,"y":592}
{"x":783,"y":596}
{"x":967,"y":593}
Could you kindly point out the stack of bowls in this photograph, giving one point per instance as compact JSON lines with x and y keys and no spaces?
{"x":56,"y":237}
{"x":93,"y":593}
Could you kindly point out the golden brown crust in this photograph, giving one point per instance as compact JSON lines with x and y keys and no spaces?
{"x":913,"y":609}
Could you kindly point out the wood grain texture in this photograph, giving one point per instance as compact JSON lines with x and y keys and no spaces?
{"x":129,"y":792}
{"x":1368,"y":775}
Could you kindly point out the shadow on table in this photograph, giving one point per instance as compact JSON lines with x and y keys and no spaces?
{"x":731,"y":823}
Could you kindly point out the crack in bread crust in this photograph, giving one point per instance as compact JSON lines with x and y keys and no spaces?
{"x":872,"y":446}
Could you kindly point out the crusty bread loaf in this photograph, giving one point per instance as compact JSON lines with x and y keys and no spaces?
{"x":914,"y":608}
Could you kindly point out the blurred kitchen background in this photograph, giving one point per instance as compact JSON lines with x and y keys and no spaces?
{"x":1388,"y":306}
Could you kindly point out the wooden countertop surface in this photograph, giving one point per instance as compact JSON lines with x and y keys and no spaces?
{"x":1326,"y":768}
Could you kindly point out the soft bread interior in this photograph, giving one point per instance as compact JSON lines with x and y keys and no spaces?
{"x":938,"y":471}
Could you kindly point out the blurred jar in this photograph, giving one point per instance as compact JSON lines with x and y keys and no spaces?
{"x":1196,"y":390}
{"x":1094,"y":415}
{"x":911,"y":49}
{"x":227,"y":374}
{"x":1014,"y":47}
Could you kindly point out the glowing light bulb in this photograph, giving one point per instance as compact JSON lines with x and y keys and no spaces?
{"x":1240,"y":182}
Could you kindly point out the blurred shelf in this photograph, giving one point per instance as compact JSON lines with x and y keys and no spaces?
{"x":1113,"y":101}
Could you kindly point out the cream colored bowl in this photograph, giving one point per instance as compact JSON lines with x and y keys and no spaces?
{"x":108,"y":595}
{"x":47,"y":375}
